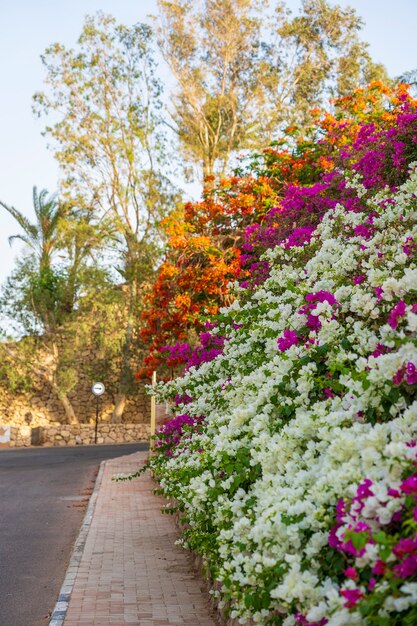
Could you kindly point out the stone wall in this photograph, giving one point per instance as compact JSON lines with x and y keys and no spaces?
{"x":42,"y":408}
{"x":83,"y":434}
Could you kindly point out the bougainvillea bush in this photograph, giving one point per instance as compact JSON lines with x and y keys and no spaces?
{"x":294,"y":181}
{"x":295,"y":470}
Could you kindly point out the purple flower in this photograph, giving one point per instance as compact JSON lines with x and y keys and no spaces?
{"x":364,"y":490}
{"x":321,"y":296}
{"x":380,"y":349}
{"x":313,"y":322}
{"x":352,"y":597}
{"x":378,"y":292}
{"x":409,"y":485}
{"x":182,"y":399}
{"x":299,"y":237}
{"x":406,"y":568}
{"x":398,"y":377}
{"x":290,"y":338}
{"x":379,"y":568}
{"x":398,"y":311}
{"x":350,"y":572}
{"x":411,"y":373}
{"x":405,"y":546}
{"x":409,"y":247}
{"x":357,"y":280}
{"x":363,"y":231}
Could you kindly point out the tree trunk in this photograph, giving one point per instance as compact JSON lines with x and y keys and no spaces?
{"x":119,"y":407}
{"x":72,"y":419}
{"x":125,"y":374}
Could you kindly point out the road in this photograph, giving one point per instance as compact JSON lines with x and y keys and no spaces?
{"x":43,"y":497}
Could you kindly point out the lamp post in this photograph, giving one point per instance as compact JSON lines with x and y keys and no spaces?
{"x":153,"y":416}
{"x":97,"y":389}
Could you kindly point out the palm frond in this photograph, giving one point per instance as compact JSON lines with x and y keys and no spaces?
{"x":22,"y":220}
{"x":21,"y":237}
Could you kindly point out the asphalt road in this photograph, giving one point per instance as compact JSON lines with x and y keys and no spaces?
{"x":43,"y":497}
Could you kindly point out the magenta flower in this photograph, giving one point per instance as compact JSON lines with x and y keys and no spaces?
{"x":290,"y":338}
{"x":350,"y":572}
{"x":352,"y":597}
{"x":378,"y":292}
{"x":357,"y":280}
{"x":409,"y":247}
{"x":321,"y":296}
{"x":398,"y":377}
{"x":411,"y":373}
{"x":406,"y":568}
{"x":380,"y":349}
{"x":313,"y":322}
{"x":404,"y":546}
{"x":398,"y":311}
{"x":364,"y":491}
{"x":363,"y":231}
{"x":409,"y":485}
{"x":379,"y":568}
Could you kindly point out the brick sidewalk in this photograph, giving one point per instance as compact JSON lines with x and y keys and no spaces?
{"x":130,"y":571}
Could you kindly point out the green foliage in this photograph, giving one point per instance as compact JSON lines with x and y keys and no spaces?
{"x":244,"y":69}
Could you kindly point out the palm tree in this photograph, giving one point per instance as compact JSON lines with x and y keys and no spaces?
{"x":40,"y":236}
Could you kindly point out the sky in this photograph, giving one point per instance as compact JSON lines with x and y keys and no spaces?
{"x":28,"y":27}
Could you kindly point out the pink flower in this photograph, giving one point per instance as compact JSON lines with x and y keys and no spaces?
{"x":409,"y":485}
{"x":352,"y":597}
{"x":407,"y":568}
{"x":364,"y":491}
{"x":372,"y":583}
{"x":404,"y":546}
{"x":409,"y":247}
{"x":363,"y":231}
{"x":357,"y":280}
{"x":411,"y":373}
{"x":321,"y":296}
{"x":378,"y":292}
{"x":379,"y":568}
{"x":350,"y":572}
{"x":398,"y":377}
{"x":397,"y":312}
{"x":380,"y":349}
{"x":313,"y":322}
{"x":289,"y":339}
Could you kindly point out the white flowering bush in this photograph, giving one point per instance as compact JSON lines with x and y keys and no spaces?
{"x":315,"y":392}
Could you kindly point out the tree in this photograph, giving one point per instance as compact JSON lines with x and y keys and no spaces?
{"x":244,"y":70}
{"x":104,"y":100}
{"x":40,"y":236}
{"x":41,"y":296}
{"x":221,"y":239}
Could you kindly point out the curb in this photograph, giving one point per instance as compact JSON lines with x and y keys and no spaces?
{"x":61,"y":607}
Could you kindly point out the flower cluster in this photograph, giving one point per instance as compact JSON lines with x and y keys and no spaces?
{"x":295,"y":181}
{"x":376,"y":532}
{"x":172,"y":437}
{"x":298,"y":486}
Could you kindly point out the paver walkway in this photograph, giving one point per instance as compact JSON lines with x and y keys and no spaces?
{"x":130,"y":571}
